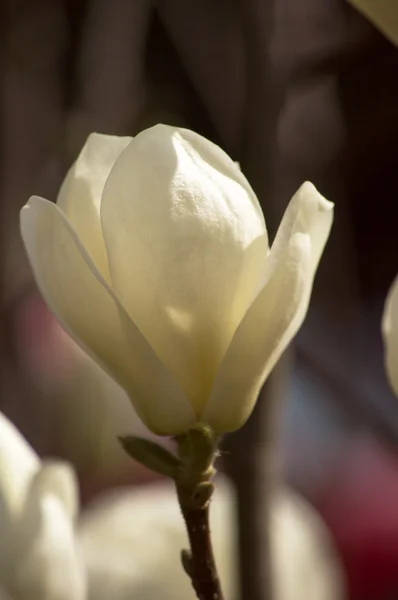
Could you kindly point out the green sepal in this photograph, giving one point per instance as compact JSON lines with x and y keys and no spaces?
{"x":151,"y":455}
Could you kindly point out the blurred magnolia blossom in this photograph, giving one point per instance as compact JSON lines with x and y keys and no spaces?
{"x":156,"y":260}
{"x":39,"y":555}
{"x":390,"y":334}
{"x":131,"y":543}
{"x":127,"y":544}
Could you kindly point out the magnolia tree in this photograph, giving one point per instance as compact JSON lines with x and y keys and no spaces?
{"x":156,"y":260}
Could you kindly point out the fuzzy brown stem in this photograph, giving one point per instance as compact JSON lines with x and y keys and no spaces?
{"x":199,"y":563}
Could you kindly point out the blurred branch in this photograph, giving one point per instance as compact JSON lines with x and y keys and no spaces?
{"x":252,"y":460}
{"x":252,"y":452}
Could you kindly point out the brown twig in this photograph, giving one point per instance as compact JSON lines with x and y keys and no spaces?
{"x":199,"y":563}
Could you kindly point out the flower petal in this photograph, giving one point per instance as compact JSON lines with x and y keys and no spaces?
{"x":47,"y":561}
{"x":390,"y":335}
{"x":80,"y":194}
{"x":88,"y":309}
{"x":18,"y":464}
{"x":277,"y":312}
{"x":186,"y":244}
{"x":58,"y":479}
{"x":310,"y":213}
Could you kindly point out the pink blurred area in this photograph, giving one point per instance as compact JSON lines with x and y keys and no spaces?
{"x":359,"y":505}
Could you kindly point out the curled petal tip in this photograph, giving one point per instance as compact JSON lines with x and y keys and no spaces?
{"x":309,"y":188}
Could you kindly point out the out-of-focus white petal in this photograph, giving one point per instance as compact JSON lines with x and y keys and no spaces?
{"x":132,"y":540}
{"x":186,"y":243}
{"x":18,"y":464}
{"x":390,"y":335}
{"x":86,"y":306}
{"x":80,"y":194}
{"x":277,"y":312}
{"x":59,"y":480}
{"x":306,"y":563}
{"x":47,"y":560}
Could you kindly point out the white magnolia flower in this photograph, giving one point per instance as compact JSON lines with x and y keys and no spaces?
{"x":38,"y":551}
{"x":390,"y":334}
{"x":156,"y":260}
{"x":132,"y":540}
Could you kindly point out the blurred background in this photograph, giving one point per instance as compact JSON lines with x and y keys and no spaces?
{"x":293,"y":91}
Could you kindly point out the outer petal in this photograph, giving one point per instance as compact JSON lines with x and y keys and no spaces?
{"x":186,"y":243}
{"x":277,"y":312}
{"x":47,"y":561}
{"x":390,"y":334}
{"x":86,"y":306}
{"x":80,"y":195}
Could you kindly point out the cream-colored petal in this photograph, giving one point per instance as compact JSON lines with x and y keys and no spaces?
{"x":91,"y":313}
{"x":47,"y":561}
{"x":277,"y":312}
{"x":390,"y":335}
{"x":186,"y":244}
{"x":310,"y":213}
{"x":18,"y":464}
{"x":80,"y":194}
{"x":259,"y":341}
